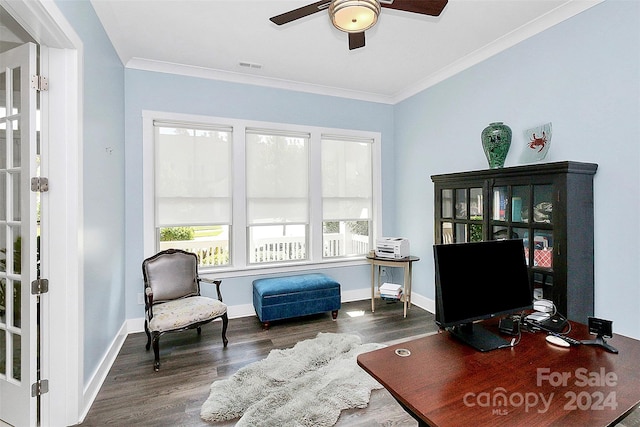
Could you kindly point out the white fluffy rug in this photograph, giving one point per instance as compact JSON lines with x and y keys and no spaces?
{"x":307,"y":385}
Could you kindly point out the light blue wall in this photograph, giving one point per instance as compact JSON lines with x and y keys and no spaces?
{"x":103,"y":184}
{"x":188,"y":95}
{"x":582,"y":75}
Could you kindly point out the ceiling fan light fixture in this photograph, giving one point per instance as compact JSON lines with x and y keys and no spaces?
{"x":354,"y":16}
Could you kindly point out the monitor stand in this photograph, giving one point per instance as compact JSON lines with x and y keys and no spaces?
{"x":478,"y":337}
{"x":599,"y":341}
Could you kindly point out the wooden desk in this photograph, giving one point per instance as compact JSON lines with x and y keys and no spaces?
{"x":406,"y":264}
{"x":447,"y":383}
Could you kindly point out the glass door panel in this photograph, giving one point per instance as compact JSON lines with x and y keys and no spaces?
{"x":18,"y":318}
{"x":499,"y":203}
{"x":520,"y":203}
{"x":461,"y":233}
{"x":447,"y":204}
{"x":543,"y":248}
{"x":522,"y":233}
{"x":500,"y":233}
{"x":475,"y":203}
{"x":543,"y":203}
{"x":461,"y":203}
{"x":447,"y":232}
{"x":475,"y":232}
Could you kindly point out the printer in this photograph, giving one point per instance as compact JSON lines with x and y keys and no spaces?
{"x":392,"y":247}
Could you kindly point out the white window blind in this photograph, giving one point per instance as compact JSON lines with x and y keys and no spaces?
{"x":277,"y":177}
{"x":346,"y":178}
{"x":192,"y":174}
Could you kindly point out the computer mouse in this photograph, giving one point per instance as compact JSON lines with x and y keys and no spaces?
{"x":557,"y":341}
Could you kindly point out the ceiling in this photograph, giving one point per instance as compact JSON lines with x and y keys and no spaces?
{"x":404,"y":52}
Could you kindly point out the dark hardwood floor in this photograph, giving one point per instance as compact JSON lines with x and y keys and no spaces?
{"x":133,"y":394}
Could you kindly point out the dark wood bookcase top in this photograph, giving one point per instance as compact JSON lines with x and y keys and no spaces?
{"x":548,"y":205}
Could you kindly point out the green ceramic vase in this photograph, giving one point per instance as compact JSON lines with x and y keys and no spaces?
{"x":496,"y":140}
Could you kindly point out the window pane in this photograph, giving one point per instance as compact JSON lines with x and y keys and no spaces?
{"x":193,"y":176}
{"x":344,"y":238}
{"x":273,"y":243}
{"x":347,"y":194}
{"x":347,"y":185}
{"x":209,"y":242}
{"x":277,"y":178}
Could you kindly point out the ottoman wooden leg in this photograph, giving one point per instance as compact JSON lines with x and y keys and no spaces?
{"x":334,"y":314}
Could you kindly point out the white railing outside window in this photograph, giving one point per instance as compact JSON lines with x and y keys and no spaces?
{"x":215,"y":251}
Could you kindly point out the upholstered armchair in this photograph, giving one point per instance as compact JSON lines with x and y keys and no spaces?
{"x":172,"y":298}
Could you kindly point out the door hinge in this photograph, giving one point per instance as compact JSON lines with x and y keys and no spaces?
{"x":39,"y":83}
{"x":39,"y":388}
{"x":39,"y":286}
{"x":39,"y":183}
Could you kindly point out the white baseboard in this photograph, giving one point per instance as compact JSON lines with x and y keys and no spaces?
{"x":97,"y":379}
{"x":246,"y":310}
{"x":131,"y":326}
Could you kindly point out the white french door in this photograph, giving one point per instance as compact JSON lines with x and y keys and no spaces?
{"x":18,"y":237}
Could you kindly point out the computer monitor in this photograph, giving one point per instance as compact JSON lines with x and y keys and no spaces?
{"x":477,"y":281}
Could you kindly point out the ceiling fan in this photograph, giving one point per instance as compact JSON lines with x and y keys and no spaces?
{"x":356,"y":16}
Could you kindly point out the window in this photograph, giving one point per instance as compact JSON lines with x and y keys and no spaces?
{"x":277,"y":195}
{"x":193,"y":190}
{"x":347,"y":186}
{"x":254,"y":195}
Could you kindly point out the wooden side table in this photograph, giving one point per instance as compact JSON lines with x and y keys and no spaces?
{"x":405,"y":263}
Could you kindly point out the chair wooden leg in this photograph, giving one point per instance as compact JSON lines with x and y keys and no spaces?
{"x":146,"y":329}
{"x":225,"y":322}
{"x":199,"y":329}
{"x":156,"y":351}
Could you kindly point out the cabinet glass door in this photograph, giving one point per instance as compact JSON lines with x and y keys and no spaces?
{"x":543,"y":249}
{"x":520,"y":203}
{"x":447,"y":204}
{"x":461,"y":215}
{"x":543,"y":203}
{"x":499,"y":204}
{"x":461,"y":203}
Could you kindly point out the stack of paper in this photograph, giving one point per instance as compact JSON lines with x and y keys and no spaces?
{"x":390,"y":291}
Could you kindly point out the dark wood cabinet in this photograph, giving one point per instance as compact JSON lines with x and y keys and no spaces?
{"x":549,"y":206}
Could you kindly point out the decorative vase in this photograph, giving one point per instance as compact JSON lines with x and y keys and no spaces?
{"x":496,"y":140}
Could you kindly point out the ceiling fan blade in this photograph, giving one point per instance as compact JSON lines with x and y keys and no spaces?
{"x":424,"y":7}
{"x":356,"y":40}
{"x":301,"y":12}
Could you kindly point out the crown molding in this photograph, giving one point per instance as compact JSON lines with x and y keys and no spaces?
{"x":230,"y":76}
{"x":544,"y":22}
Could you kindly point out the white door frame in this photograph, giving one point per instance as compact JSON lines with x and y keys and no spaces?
{"x":62,"y":350}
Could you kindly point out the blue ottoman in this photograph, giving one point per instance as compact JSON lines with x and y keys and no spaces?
{"x":278,"y":298}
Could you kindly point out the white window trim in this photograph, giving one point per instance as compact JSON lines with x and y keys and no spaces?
{"x":238,"y":242}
